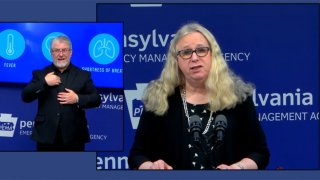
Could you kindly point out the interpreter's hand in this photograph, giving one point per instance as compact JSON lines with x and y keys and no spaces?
{"x":68,"y":97}
{"x":159,"y":164}
{"x":52,"y":79}
{"x":226,"y":167}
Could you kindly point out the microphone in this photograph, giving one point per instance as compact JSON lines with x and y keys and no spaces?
{"x":220,"y":126}
{"x":195,"y":127}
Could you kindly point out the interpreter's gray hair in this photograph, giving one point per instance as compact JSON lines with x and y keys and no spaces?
{"x":61,"y":38}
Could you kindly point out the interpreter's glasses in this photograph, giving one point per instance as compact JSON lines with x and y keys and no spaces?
{"x":57,"y":51}
{"x":187,"y":53}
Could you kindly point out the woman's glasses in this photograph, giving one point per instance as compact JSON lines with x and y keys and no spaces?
{"x":187,"y":53}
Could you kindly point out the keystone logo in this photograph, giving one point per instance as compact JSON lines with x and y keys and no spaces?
{"x":135,"y":106}
{"x":7,"y":125}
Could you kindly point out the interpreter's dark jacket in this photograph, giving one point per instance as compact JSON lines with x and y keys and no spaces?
{"x":51,"y":114}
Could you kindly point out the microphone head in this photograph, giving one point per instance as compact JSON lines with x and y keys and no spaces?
{"x":220,"y":127}
{"x":221,"y":121}
{"x":195,"y":128}
{"x":195,"y":123}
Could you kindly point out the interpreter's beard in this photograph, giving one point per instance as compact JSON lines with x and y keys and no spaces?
{"x":61,"y":64}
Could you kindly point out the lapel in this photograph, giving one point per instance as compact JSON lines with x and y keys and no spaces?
{"x":71,"y":78}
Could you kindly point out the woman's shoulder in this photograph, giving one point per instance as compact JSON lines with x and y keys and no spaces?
{"x":175,"y":94}
{"x":246,"y":103}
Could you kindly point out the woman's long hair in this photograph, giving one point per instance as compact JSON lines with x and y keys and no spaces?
{"x":225,"y":89}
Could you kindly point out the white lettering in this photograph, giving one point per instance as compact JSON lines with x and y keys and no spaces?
{"x":112,"y":163}
{"x":129,"y":58}
{"x":132,"y":41}
{"x":152,"y":58}
{"x":111,"y":97}
{"x":100,"y":137}
{"x":9,"y":65}
{"x":240,"y":56}
{"x":142,"y":41}
{"x":314,"y":116}
{"x":283,"y":99}
{"x":27,"y":133}
{"x":27,"y":124}
{"x":116,"y":70}
{"x":108,"y":106}
{"x":282,"y":116}
{"x":137,"y":111}
{"x":93,"y":69}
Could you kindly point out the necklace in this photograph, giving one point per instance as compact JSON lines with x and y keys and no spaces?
{"x":184,"y":101}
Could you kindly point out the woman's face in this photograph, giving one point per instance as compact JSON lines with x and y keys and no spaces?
{"x":194,"y":65}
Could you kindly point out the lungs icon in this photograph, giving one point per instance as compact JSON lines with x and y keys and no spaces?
{"x":104,"y":49}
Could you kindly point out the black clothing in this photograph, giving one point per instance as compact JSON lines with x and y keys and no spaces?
{"x":51,"y":114}
{"x":166,"y":137}
{"x":58,"y":145}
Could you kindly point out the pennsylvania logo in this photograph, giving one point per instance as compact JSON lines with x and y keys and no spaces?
{"x":7,"y":125}
{"x":135,"y":106}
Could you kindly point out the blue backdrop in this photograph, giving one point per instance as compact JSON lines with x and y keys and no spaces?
{"x":274,"y":46}
{"x":97,"y":47}
{"x":16,"y":165}
{"x":17,"y":118}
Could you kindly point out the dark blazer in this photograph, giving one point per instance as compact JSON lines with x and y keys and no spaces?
{"x":50,"y":113}
{"x":166,"y":137}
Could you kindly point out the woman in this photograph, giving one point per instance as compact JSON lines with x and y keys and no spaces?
{"x":196,"y":83}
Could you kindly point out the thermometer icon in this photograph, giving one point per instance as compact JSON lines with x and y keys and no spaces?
{"x":10,"y":40}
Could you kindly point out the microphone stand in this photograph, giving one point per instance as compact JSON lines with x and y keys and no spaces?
{"x":209,"y":151}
